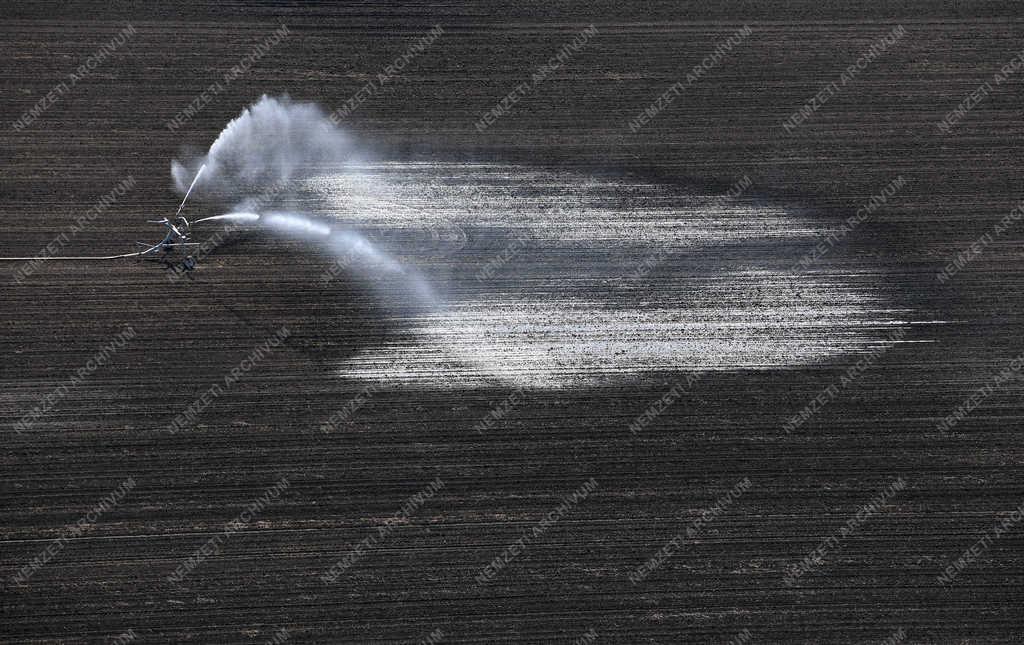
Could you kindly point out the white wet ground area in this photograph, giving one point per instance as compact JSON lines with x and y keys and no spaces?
{"x":550,"y":278}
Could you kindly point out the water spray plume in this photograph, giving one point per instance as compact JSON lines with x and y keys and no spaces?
{"x":191,"y":186}
{"x":232,"y":217}
{"x":272,"y":142}
{"x":277,"y":143}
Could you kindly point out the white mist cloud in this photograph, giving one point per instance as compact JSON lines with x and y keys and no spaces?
{"x":608,"y":278}
{"x":273,"y":141}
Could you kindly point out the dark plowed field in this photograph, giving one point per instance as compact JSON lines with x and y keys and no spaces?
{"x":497,"y":549}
